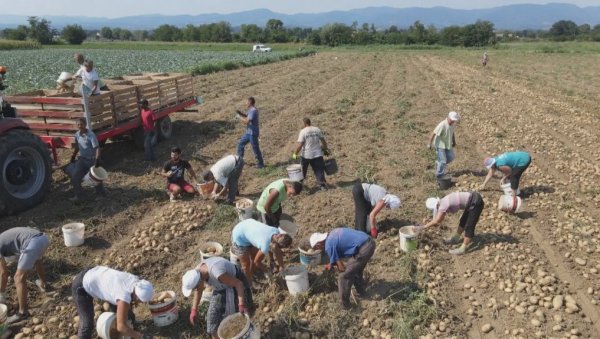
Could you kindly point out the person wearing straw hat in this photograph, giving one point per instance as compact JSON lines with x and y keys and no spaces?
{"x":311,"y":146}
{"x":444,"y":141}
{"x":88,"y":148}
{"x":341,"y":243}
{"x":252,"y":240}
{"x":119,"y":289}
{"x":30,"y":245}
{"x":511,"y":165}
{"x":269,"y":203}
{"x":226,"y":174}
{"x":472,"y":205}
{"x":369,"y":200}
{"x":231,"y":291}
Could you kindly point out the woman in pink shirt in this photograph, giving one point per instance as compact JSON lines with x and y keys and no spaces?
{"x":471,"y":203}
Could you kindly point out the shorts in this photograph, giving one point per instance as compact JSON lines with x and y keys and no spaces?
{"x":33,"y":252}
{"x":171,"y":186}
{"x":239,"y":250}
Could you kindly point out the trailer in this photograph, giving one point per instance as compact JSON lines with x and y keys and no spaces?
{"x":115,"y":113}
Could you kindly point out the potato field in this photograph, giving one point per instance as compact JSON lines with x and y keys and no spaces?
{"x":534,"y":274}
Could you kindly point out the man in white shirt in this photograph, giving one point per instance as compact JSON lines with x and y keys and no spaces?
{"x":90,"y":86}
{"x":226,"y":174}
{"x":311,"y":146}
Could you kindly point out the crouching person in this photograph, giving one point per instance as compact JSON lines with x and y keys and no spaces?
{"x":86,"y":144}
{"x":252,"y":240}
{"x":346,"y":243}
{"x":30,"y":244}
{"x":120,"y":289}
{"x":472,"y":205}
{"x":231,"y":291}
{"x":226,"y":174}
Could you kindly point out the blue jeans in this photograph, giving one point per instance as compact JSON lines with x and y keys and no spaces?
{"x":253,"y":140}
{"x":149,"y":142}
{"x":82,"y":167}
{"x":444,"y":157}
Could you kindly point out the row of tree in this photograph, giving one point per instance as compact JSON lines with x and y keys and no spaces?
{"x":480,"y":33}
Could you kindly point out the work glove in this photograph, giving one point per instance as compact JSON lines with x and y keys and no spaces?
{"x":193,"y":315}
{"x":294,"y":156}
{"x":374,"y":232}
{"x":243,"y":309}
{"x":326,"y":152}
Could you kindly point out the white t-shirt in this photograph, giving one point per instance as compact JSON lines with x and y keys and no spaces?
{"x":109,"y":285}
{"x":454,"y":202}
{"x":222,"y":168}
{"x":311,"y":137}
{"x":444,"y":133}
{"x":373,"y":193}
{"x":88,"y":79}
{"x":218,"y":266}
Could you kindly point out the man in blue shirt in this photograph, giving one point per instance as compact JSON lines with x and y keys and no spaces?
{"x":86,"y":144}
{"x":346,"y":243}
{"x":250,"y":119}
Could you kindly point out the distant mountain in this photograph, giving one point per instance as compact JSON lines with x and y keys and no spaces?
{"x":524,"y":16}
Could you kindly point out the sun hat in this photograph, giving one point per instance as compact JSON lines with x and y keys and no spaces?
{"x":392,"y":201}
{"x":432,"y":204}
{"x":144,"y":290}
{"x":189,"y":282}
{"x":489,"y":162}
{"x":453,"y":116}
{"x":316,"y":238}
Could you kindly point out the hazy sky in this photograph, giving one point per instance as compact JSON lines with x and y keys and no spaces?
{"x":120,"y":8}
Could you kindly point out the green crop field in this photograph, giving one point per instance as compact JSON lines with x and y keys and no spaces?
{"x":38,"y":69}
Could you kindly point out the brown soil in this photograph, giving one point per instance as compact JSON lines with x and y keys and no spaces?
{"x":376,"y":110}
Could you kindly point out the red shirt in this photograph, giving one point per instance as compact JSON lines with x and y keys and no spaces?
{"x":148,"y":120}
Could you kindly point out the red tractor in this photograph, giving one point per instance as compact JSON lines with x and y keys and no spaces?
{"x":25,"y":163}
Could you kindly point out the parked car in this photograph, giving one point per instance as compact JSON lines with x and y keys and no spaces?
{"x":260,"y":48}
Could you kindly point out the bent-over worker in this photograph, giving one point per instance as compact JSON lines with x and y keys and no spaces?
{"x":226,"y":174}
{"x":511,"y":165}
{"x":269,"y":203}
{"x":231,"y":291}
{"x":369,"y":200}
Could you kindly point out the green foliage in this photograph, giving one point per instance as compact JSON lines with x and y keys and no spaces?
{"x":74,"y":34}
{"x":39,"y":30}
{"x":13,"y":45}
{"x":19,"y":33}
{"x":563,"y":30}
{"x":366,"y":173}
{"x":225,"y":217}
{"x":106,"y":33}
{"x":478,"y":34}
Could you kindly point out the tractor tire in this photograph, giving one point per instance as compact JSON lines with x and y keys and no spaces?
{"x":25,"y":169}
{"x":164,"y":129}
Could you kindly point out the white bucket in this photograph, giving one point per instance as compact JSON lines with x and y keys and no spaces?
{"x":95,"y":176}
{"x":245,"y":208}
{"x":165,"y":313}
{"x":507,"y":190}
{"x":288,"y":227}
{"x":74,"y":234}
{"x":295,"y":172}
{"x":205,"y":253}
{"x":234,"y":259}
{"x":65,"y":78}
{"x":407,"y":238}
{"x":106,"y":326}
{"x":508,"y":203}
{"x":296,"y":279}
{"x":231,"y":328}
{"x":310,"y":258}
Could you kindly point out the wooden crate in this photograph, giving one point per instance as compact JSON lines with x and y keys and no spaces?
{"x":148,"y":89}
{"x":185,"y":87}
{"x":167,"y":87}
{"x":124,"y":102}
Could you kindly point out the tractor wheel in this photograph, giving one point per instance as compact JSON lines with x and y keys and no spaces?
{"x":26,"y":170}
{"x":164,"y":129}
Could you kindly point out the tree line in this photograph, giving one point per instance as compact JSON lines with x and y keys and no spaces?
{"x":480,"y":33}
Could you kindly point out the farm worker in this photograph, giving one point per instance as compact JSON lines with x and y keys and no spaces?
{"x":250,"y":119}
{"x":311,"y":146}
{"x":346,"y":243}
{"x":511,"y":164}
{"x":226,"y":174}
{"x":86,"y":144}
{"x":119,"y":289}
{"x":472,"y":205}
{"x":252,"y":240}
{"x":484,"y":59}
{"x":369,"y":200}
{"x":149,"y":126}
{"x":269,"y":203}
{"x":174,"y":171}
{"x":90,"y":86}
{"x":30,"y":245}
{"x":231,"y":291}
{"x":444,"y":143}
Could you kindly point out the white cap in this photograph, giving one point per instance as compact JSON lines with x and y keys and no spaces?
{"x":392,"y":201}
{"x":189,"y":282}
{"x":143,"y":290}
{"x":316,"y":238}
{"x":432,"y":204}
{"x":453,"y":116}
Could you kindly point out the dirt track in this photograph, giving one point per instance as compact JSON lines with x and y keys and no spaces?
{"x":376,"y":110}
